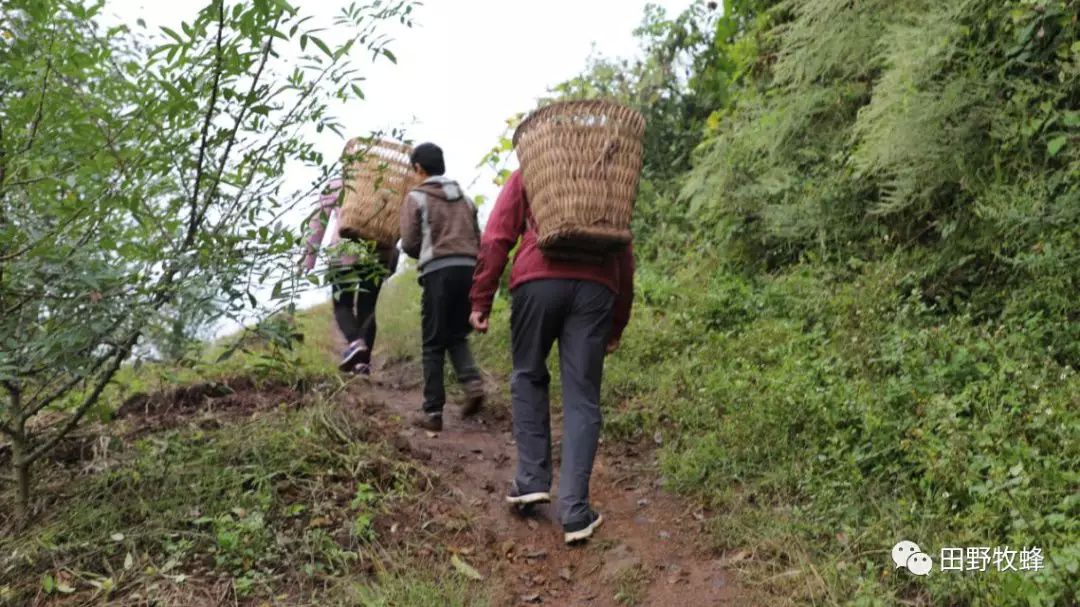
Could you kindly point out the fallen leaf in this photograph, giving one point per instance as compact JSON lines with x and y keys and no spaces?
{"x":564,"y":573}
{"x":105,"y":585}
{"x":431,"y":434}
{"x":321,"y":521}
{"x":465,"y":569}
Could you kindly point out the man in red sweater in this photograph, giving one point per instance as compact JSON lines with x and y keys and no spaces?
{"x":583,"y":306}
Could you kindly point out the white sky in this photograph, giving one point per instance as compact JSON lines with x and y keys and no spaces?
{"x":462,"y":70}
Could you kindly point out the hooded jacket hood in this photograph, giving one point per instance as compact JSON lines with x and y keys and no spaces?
{"x":442,"y":187}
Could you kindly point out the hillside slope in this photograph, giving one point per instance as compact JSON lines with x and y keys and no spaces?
{"x":289,"y":486}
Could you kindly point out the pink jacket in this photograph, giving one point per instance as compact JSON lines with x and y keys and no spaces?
{"x":327,"y":209}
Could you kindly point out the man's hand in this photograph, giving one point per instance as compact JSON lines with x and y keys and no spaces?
{"x":612,"y":346}
{"x":479,"y":321}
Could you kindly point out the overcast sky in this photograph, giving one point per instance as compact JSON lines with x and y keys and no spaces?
{"x":462,"y":70}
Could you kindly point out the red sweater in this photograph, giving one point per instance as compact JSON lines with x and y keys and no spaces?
{"x":510,"y":219}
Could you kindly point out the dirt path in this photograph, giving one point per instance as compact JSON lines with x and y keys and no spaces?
{"x":647,"y":552}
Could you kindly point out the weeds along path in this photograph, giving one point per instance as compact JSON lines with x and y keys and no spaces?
{"x":646,"y":553}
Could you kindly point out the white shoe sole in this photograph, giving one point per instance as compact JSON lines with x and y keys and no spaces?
{"x":539,"y":497}
{"x":584,"y":534}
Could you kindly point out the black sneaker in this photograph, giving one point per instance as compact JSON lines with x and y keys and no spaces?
{"x":432,"y":422}
{"x":515,"y":497}
{"x":353,"y":354}
{"x":575,"y":533}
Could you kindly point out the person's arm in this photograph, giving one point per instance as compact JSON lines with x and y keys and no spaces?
{"x":504,"y":226}
{"x":317,"y":226}
{"x":412,"y":237}
{"x":624,"y":300}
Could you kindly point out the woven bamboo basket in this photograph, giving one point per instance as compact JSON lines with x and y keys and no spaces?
{"x":581,"y":162}
{"x":377,"y":177}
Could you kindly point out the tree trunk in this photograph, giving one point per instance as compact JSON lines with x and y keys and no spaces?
{"x":19,"y":452}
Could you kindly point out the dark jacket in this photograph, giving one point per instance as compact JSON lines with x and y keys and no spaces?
{"x":439,"y":226}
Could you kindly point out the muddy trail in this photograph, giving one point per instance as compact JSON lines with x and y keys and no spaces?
{"x":649,"y":550}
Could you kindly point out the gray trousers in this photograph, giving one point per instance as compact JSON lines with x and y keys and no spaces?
{"x":578,"y":314}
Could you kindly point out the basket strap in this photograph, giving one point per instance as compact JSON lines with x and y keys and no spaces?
{"x":530,"y":221}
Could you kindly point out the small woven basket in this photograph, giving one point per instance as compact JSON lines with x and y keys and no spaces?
{"x":581,"y":162}
{"x":377,"y":177}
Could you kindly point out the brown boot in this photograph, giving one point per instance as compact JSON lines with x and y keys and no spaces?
{"x":432,"y":422}
{"x":474,"y":398}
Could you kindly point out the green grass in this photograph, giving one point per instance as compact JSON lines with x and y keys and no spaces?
{"x":414,"y":591}
{"x":823,"y":416}
{"x":290,"y":499}
{"x":289,"y":506}
{"x":398,"y":313}
{"x":630,"y":586}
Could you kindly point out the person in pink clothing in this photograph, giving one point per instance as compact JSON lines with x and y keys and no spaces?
{"x":355,"y":285}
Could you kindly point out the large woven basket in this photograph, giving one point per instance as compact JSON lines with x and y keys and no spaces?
{"x":581,"y":162}
{"x":377,"y":177}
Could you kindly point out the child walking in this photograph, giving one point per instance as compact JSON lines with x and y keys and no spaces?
{"x":439,"y":228}
{"x":355,"y":285}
